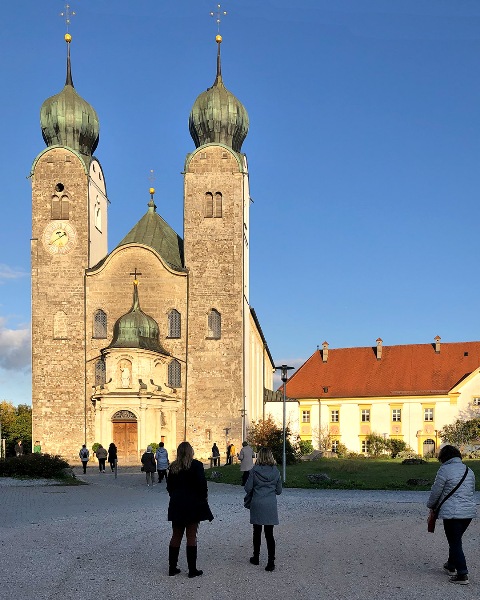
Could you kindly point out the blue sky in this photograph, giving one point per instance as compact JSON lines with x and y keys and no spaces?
{"x":363,"y":150}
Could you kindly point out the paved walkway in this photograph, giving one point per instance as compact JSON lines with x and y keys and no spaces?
{"x":108,"y":540}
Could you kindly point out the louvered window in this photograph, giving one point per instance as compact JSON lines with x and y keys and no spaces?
{"x":174,"y":374}
{"x":214,"y":324}
{"x":100,"y":325}
{"x":100,"y":373}
{"x":174,"y":324}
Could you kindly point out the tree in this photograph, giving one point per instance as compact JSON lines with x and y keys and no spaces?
{"x":376,"y":444}
{"x":322,"y":438}
{"x":394,"y":446}
{"x":16,"y":424}
{"x":461,"y":433}
{"x":268,"y":433}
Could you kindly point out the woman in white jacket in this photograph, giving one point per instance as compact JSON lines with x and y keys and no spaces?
{"x":457,"y":511}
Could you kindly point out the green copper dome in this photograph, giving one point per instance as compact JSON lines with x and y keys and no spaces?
{"x":136,"y":329}
{"x":217,"y":116}
{"x":69,"y":120}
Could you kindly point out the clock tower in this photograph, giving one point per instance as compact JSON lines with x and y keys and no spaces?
{"x":69,"y":235}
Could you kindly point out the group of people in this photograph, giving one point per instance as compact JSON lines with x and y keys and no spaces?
{"x":157,"y":462}
{"x":188,"y":506}
{"x":102,"y":456}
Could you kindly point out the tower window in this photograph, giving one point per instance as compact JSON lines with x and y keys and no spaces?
{"x":100,"y":324}
{"x":100,"y":372}
{"x":217,"y":207}
{"x":59,"y":187}
{"x":214,"y":324}
{"x":174,"y":374}
{"x":208,"y":205}
{"x":174,"y":324}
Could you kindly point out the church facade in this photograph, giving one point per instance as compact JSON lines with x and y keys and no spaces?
{"x":154,"y":340}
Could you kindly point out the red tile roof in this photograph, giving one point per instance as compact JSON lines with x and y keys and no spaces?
{"x":413,"y":369}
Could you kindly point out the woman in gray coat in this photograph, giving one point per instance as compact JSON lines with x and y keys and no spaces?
{"x":457,"y":511}
{"x":263,"y":486}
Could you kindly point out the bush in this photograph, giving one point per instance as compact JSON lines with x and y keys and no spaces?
{"x":396,"y":446}
{"x":342,"y":450}
{"x":95,"y":447}
{"x":408,"y":454}
{"x":154,"y":446}
{"x":305,"y":446}
{"x":43,"y":466}
{"x":267,"y":433}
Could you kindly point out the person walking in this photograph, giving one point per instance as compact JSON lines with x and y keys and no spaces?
{"x":84,"y":455}
{"x":149,"y":465}
{"x":102,"y":457}
{"x":112,"y":456}
{"x":263,"y":486}
{"x":215,"y":455}
{"x":246,"y":461}
{"x":187,"y":487}
{"x":452,"y":497}
{"x":161,"y":457}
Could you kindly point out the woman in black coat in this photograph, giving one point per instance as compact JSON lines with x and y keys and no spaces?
{"x":188,"y":506}
{"x":112,"y":455}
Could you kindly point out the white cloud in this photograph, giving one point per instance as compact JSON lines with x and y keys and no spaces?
{"x":15,"y":345}
{"x":7,"y":273}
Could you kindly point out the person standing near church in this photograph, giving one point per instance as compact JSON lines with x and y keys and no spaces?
{"x":161,"y":457}
{"x":215,"y":455}
{"x":37,"y":448}
{"x":19,"y":448}
{"x":246,"y":461}
{"x":84,"y":455}
{"x":149,"y":465}
{"x":112,"y":456}
{"x":102,"y":457}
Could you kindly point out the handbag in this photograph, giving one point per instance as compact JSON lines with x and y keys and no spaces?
{"x":247,"y":501}
{"x":433,"y":515}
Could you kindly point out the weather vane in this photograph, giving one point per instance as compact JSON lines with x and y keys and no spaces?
{"x":219,"y":13}
{"x":151,"y":178}
{"x":67,"y":14}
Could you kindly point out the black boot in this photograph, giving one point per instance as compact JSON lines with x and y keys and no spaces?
{"x":172,"y":560}
{"x":271,"y":554}
{"x":257,"y":542}
{"x":192,"y":562}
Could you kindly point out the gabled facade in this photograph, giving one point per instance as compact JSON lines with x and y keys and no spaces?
{"x":408,"y":392}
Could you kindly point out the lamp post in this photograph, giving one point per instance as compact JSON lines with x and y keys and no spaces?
{"x":284,"y":376}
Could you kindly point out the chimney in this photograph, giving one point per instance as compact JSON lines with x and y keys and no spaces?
{"x":437,"y":339}
{"x":379,"y":348}
{"x":325,"y":352}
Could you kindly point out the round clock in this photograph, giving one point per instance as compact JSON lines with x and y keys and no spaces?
{"x":59,"y":237}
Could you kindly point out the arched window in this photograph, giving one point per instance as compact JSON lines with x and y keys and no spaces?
{"x":60,"y":329}
{"x":65,"y":207}
{"x":56,"y":208}
{"x":214,"y":324}
{"x":174,"y":324}
{"x":100,"y":373}
{"x":100,"y":324}
{"x":208,"y":205}
{"x":174,"y":374}
{"x":218,"y":205}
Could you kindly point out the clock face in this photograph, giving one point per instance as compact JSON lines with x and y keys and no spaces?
{"x":59,"y":237}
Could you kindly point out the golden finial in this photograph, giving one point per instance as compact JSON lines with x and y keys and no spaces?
{"x":218,"y":14}
{"x":67,"y":14}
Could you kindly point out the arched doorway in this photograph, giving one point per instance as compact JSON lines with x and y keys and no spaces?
{"x":125,"y":436}
{"x":428,"y":447}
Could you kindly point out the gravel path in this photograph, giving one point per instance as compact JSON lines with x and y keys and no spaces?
{"x":108,"y":540}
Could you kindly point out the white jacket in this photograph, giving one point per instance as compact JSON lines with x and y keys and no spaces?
{"x":461,"y":504}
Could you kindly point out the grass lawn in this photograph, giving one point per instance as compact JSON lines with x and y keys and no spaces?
{"x":353,"y":474}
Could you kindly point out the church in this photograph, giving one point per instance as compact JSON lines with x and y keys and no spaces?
{"x":154,"y":340}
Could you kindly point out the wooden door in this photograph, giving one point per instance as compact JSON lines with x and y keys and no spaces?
{"x":125,"y":439}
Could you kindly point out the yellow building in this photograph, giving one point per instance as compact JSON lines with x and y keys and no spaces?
{"x":408,"y":392}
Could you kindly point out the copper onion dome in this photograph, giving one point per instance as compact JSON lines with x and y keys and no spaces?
{"x":217,"y":116}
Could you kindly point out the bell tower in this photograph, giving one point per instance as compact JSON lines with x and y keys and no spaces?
{"x":69,"y":235}
{"x":216,"y":232}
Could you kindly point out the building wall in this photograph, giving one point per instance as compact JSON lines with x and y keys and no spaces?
{"x":215,"y":259}
{"x":58,"y":302}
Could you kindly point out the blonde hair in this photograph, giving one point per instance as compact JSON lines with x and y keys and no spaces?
{"x":265,"y":457}
{"x":184,"y":458}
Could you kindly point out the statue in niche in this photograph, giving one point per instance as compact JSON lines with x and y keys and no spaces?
{"x":125,"y":371}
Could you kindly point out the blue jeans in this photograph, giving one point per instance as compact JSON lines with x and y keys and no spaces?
{"x":454,"y":530}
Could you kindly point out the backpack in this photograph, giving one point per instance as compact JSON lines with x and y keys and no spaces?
{"x":83,"y":453}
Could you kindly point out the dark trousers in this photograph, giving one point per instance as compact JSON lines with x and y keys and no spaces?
{"x":84,"y":465}
{"x":257,"y":540}
{"x":216,"y":461}
{"x":245,"y":475}
{"x":161,"y":474}
{"x":454,"y":530}
{"x":101,"y":464}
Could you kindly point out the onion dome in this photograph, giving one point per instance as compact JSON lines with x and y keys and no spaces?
{"x":136,"y":329}
{"x":217,"y":116}
{"x":69,"y":120}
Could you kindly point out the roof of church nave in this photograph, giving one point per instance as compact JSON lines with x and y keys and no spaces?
{"x":217,"y":116}
{"x":136,"y":329}
{"x":69,"y":120}
{"x":156,"y":233}
{"x":411,"y":369}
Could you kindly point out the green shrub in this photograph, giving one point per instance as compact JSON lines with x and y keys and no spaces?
{"x":305,"y":446}
{"x":154,"y":446}
{"x":396,"y":446}
{"x":342,"y":450}
{"x":33,"y":465}
{"x":95,"y":446}
{"x":409,"y":453}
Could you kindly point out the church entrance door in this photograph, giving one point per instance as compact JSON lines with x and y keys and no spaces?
{"x":125,"y":438}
